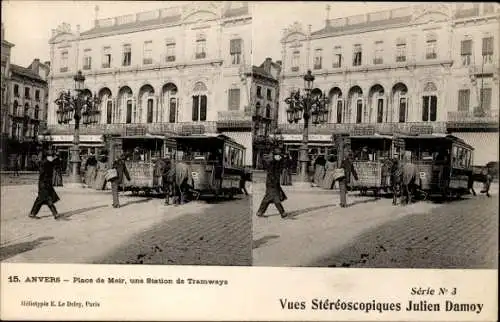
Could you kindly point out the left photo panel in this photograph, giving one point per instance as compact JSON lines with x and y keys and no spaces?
{"x":126,"y":133}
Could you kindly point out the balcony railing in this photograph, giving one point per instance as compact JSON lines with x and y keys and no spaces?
{"x":122,"y":128}
{"x":380,"y":128}
{"x":489,"y":116}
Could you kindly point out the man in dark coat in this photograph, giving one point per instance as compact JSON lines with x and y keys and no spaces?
{"x":121,"y":169}
{"x":274,"y":193}
{"x":348,"y":167}
{"x":46,"y":193}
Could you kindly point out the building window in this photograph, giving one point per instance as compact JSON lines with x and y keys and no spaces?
{"x":380,"y":110}
{"x":14,"y":108}
{"x":37,"y":112}
{"x":429,"y":108}
{"x":295,"y":61}
{"x":27,"y":93}
{"x":400,"y":50}
{"x":379,"y":53}
{"x":234,"y":99}
{"x":359,"y":111}
{"x":235,"y":51}
{"x":431,"y":47}
{"x":337,"y":57}
{"x":339,"y":111}
{"x":149,"y":110}
{"x":268,"y":111}
{"x":356,"y":61}
{"x":170,"y":57}
{"x":487,"y":50}
{"x":64,"y":62}
{"x":16,"y":90}
{"x":127,"y":55}
{"x":148,"y":53}
{"x":109,"y":111}
{"x":257,"y":109}
{"x":199,"y":112}
{"x":318,"y":57}
{"x":201,"y":47}
{"x":259,"y":92}
{"x":106,"y":59}
{"x":172,"y":109}
{"x":26,"y":109}
{"x":402,"y":109}
{"x":466,"y":52}
{"x":269,"y":95}
{"x":485,"y":99}
{"x":463,"y":100}
{"x":129,"y":111}
{"x":37,"y":95}
{"x":87,"y":59}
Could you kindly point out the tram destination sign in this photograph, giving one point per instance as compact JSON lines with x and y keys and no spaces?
{"x":365,"y":130}
{"x":421,"y":129}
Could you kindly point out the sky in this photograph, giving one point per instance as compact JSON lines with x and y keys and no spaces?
{"x":28,"y":24}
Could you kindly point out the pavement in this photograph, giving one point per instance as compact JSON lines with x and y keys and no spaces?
{"x":373,"y":233}
{"x":143,"y":230}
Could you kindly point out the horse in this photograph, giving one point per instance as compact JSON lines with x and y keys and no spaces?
{"x":409,"y":174}
{"x":164,"y":169}
{"x":183,"y":180}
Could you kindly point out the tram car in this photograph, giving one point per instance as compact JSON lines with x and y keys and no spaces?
{"x":444,"y":163}
{"x":216,"y":162}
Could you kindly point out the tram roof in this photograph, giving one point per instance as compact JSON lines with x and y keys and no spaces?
{"x":143,"y":137}
{"x":375,"y":136}
{"x":208,"y":137}
{"x":441,"y":136}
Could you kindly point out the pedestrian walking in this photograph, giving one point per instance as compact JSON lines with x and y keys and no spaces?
{"x":319,"y":170}
{"x":115,"y":176}
{"x":90,"y":170}
{"x":286,"y":175}
{"x":46,"y":193}
{"x":57,"y":175}
{"x":470,"y":184}
{"x":274,"y":192}
{"x":245,"y":177}
{"x":345,"y":180}
{"x":101,"y":169}
{"x":17,"y":165}
{"x":487,"y":182}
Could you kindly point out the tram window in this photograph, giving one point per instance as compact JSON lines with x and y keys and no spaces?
{"x":226,"y":155}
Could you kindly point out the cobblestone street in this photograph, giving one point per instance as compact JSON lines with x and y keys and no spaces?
{"x":373,"y":233}
{"x":142,"y":231}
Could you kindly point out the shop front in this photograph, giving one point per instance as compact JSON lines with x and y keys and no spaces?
{"x":318,"y":144}
{"x":89,"y":144}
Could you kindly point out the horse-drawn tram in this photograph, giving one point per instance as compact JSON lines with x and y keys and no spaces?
{"x":142,"y":153}
{"x":371,"y":153}
{"x":216,"y":163}
{"x":444,"y":163}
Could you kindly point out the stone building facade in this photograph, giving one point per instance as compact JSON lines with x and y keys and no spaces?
{"x":6,"y":74}
{"x":421,"y":65}
{"x":27,"y":93}
{"x":265,"y":99}
{"x":161,"y":70}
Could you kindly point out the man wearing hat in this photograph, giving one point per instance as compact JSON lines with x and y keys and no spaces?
{"x":274,"y":192}
{"x":348,"y":167}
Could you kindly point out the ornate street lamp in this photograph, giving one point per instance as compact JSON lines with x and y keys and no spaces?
{"x":79,"y":107}
{"x":309,"y":107}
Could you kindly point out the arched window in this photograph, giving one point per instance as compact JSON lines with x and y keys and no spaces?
{"x":268,"y":111}
{"x":359,"y":110}
{"x":14,"y":108}
{"x":257,"y":109}
{"x":199,"y":111}
{"x":429,"y":103}
{"x":109,"y":111}
{"x":37,"y":112}
{"x":170,"y":102}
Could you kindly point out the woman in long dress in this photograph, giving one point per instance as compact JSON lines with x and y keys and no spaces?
{"x":102,"y":167}
{"x":330,"y":166}
{"x":57,"y":174}
{"x":319,"y":171}
{"x":91,"y":170}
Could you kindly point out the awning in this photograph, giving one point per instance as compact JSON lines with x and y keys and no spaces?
{"x":312,"y":137}
{"x":485,"y":145}
{"x":69,"y":138}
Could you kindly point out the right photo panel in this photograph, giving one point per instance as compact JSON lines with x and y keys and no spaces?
{"x":375,"y":135}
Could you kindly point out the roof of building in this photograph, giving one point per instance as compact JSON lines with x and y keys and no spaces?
{"x":25,"y":72}
{"x":368,"y":24}
{"x":172,"y":19}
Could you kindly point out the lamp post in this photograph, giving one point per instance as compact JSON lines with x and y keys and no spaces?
{"x":80,"y":107}
{"x":309,"y":107}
